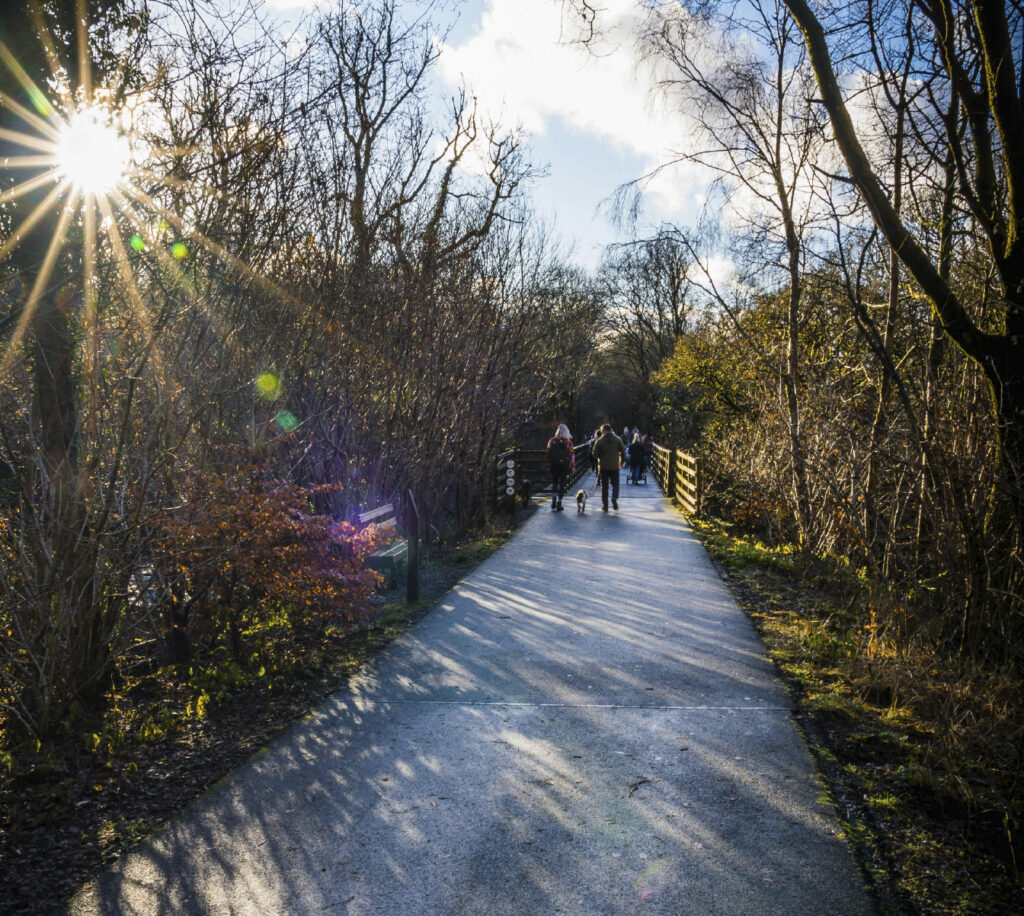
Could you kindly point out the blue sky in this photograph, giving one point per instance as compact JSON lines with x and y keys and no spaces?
{"x":590,"y":120}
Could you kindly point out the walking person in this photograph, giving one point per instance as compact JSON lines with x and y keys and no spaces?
{"x":648,"y":444}
{"x":561,"y":459}
{"x":610,"y":454}
{"x":636,"y":459}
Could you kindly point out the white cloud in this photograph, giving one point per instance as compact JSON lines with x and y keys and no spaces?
{"x":524,"y":70}
{"x":721,"y":270}
{"x":287,"y":6}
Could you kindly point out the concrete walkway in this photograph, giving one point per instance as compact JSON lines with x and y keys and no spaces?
{"x":586,"y":725}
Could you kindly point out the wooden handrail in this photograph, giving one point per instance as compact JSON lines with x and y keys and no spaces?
{"x":532,"y":464}
{"x":679,"y":475}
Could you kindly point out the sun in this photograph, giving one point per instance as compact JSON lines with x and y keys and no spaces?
{"x":91,"y":153}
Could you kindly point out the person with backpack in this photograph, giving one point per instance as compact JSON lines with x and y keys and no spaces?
{"x":561,"y":458}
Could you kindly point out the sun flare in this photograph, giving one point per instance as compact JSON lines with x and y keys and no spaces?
{"x":92,"y":153}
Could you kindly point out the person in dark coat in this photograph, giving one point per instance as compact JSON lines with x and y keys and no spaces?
{"x":561,"y":459}
{"x":610,"y":454}
{"x":636,"y":458}
{"x":648,"y":444}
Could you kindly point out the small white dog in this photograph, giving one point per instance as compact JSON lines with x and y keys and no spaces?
{"x":581,"y":501}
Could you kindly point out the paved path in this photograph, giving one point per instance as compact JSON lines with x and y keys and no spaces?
{"x":586,"y":725}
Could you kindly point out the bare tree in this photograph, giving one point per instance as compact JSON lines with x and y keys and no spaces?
{"x":646,"y":292}
{"x":748,"y":104}
{"x":977,"y":66}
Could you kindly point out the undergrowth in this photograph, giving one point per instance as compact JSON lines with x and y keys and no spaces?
{"x":167,"y":733}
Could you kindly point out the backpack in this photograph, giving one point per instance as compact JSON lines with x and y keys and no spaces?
{"x":558,"y":451}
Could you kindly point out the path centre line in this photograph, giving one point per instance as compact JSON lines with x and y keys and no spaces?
{"x":397,"y":700}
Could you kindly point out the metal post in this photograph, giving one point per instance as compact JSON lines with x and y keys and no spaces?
{"x":412,"y":569}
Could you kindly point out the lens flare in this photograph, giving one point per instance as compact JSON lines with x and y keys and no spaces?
{"x":80,"y":167}
{"x":268,"y":386}
{"x":286,"y":421}
{"x":655,"y":879}
{"x":91,"y":153}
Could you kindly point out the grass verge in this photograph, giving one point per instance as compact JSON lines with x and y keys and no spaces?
{"x":918,"y":751}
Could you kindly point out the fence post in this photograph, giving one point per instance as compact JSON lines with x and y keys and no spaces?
{"x":412,"y":569}
{"x":670,"y":484}
{"x":699,"y":485}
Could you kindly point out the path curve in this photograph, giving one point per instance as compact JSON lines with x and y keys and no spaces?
{"x":587,"y":724}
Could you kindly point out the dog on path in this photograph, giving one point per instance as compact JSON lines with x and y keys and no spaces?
{"x":581,"y":501}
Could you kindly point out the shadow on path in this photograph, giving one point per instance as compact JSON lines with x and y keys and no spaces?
{"x":586,"y":724}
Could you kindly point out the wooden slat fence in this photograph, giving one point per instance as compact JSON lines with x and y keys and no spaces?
{"x":678,"y":474}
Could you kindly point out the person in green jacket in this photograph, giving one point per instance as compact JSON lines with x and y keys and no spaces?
{"x":610,"y":454}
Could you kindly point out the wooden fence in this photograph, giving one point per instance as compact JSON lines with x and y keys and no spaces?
{"x":678,"y":475}
{"x":523,"y":472}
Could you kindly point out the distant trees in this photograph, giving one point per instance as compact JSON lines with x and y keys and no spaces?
{"x":646,"y":293}
{"x":740,"y":72}
{"x":443,"y":302}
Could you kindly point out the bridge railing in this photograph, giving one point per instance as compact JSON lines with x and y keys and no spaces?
{"x":521,"y":472}
{"x":679,"y":475}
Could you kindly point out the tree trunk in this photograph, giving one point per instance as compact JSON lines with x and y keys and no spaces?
{"x":790,"y":377}
{"x":929,"y":482}
{"x":874,"y":523}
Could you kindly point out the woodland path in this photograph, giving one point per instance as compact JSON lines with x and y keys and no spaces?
{"x":587,"y":724}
